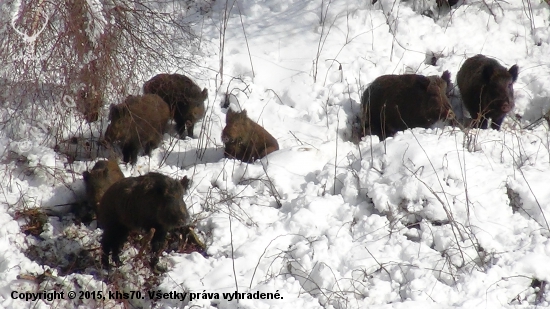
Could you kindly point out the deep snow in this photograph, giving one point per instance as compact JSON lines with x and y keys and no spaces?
{"x":436,"y":218}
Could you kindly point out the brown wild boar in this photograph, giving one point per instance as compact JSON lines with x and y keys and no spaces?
{"x":244,"y":139}
{"x":394,"y":103}
{"x":141,"y":203}
{"x":137,"y":123}
{"x":487,"y":90}
{"x":99,"y":179}
{"x":185,"y":98}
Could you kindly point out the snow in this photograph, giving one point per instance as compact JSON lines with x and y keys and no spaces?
{"x":431,"y":218}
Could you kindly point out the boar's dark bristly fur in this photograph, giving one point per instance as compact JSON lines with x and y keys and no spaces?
{"x":487,"y":90}
{"x":395,"y":103}
{"x":141,"y":203}
{"x":137,"y":123}
{"x":246,"y":140}
{"x":99,"y":179}
{"x":185,"y":98}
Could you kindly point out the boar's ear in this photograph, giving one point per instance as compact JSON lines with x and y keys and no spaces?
{"x":185,"y":182}
{"x":514,"y":70}
{"x":114,"y":112}
{"x":487,"y":72}
{"x":105,"y":173}
{"x":423,"y":82}
{"x":233,"y":116}
{"x":86,"y":175}
{"x":204,"y":93}
{"x":226,"y":102}
{"x":448,"y":83}
{"x":230,"y":115}
{"x":446,"y":76}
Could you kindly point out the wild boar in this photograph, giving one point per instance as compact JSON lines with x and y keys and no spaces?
{"x":487,"y":90}
{"x":185,"y":98}
{"x":137,"y":123}
{"x":152,"y":201}
{"x":246,"y":140}
{"x":99,"y":179}
{"x":394,"y":103}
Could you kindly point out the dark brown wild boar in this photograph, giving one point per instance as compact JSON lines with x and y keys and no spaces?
{"x":137,"y":123}
{"x":395,"y":103}
{"x":487,"y":90}
{"x":151,"y":201}
{"x":185,"y":98}
{"x":99,"y":179}
{"x":244,"y":139}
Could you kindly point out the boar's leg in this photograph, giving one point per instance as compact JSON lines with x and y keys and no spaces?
{"x":148,"y":147}
{"x":189,"y":126}
{"x":180,"y":124}
{"x":112,"y":241}
{"x":497,"y":121}
{"x":105,"y":258}
{"x":374,"y":123}
{"x":484,"y":122}
{"x":106,"y":247}
{"x":118,"y":242}
{"x":157,"y":243}
{"x":130,"y":153}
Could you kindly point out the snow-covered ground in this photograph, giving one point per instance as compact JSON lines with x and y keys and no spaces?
{"x":435,"y":218}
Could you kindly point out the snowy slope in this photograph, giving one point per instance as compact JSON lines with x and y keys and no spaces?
{"x":436,"y":218}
